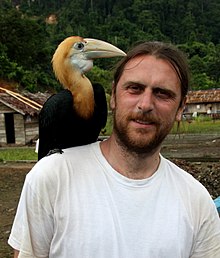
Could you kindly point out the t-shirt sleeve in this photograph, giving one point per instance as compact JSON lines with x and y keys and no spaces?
{"x":207,"y":243}
{"x":32,"y":229}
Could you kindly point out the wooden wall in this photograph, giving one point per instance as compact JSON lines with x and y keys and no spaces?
{"x":31,"y":128}
{"x":2,"y":129}
{"x":203,"y":107}
{"x":25,"y":127}
{"x":19,"y":129}
{"x":3,"y":109}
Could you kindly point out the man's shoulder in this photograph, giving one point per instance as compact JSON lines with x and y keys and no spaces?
{"x":72,"y":153}
{"x":188,"y":188}
{"x":181,"y":176}
{"x":81,"y":149}
{"x":174,"y":167}
{"x":60,"y":163}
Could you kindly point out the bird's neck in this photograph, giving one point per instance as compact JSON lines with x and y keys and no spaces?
{"x":82,"y":91}
{"x":83,"y":97}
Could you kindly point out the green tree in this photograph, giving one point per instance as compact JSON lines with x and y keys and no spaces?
{"x":28,"y":42}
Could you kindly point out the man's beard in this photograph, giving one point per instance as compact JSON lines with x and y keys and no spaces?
{"x":140,"y":140}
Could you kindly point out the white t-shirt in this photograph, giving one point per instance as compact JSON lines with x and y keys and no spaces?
{"x":76,"y":205}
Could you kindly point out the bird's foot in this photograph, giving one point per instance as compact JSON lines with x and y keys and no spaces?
{"x":57,"y":150}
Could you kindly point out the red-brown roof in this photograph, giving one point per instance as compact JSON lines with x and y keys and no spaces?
{"x":21,"y":107}
{"x":203,"y":96}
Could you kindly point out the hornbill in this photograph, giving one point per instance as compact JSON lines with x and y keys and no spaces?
{"x":75,"y":115}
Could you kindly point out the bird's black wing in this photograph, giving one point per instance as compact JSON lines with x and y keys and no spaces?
{"x":99,"y":118}
{"x":60,"y":127}
{"x":54,"y":121}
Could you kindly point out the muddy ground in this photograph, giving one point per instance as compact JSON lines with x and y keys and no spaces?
{"x":199,"y":155}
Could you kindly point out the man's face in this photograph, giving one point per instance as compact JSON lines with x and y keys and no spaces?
{"x":145,"y":104}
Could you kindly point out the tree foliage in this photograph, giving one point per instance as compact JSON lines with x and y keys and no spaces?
{"x":28,"y":38}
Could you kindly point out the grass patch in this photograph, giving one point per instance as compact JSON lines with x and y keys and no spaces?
{"x":197,"y":127}
{"x":16,"y":153}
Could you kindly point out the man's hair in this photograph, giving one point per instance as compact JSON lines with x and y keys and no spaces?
{"x":160,"y":50}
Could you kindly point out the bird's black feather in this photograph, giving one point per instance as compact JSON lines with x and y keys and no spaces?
{"x":60,"y":127}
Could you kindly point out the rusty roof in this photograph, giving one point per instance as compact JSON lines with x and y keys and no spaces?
{"x":21,"y":106}
{"x":203,"y":96}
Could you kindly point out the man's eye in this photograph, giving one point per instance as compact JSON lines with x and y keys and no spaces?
{"x":164,"y":94}
{"x":134,"y":89}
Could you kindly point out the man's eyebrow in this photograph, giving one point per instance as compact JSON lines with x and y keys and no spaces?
{"x":135,"y":83}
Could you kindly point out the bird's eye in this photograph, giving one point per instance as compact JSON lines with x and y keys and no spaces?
{"x":78,"y":45}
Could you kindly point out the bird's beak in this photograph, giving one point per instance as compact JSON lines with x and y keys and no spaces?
{"x":95,"y":48}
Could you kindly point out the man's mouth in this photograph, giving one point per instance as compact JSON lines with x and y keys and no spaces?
{"x":144,"y":122}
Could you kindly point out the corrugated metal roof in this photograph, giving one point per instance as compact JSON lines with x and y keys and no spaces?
{"x":203,"y":96}
{"x":21,"y":107}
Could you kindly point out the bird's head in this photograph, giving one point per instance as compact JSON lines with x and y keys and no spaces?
{"x":76,"y":54}
{"x":72,"y":58}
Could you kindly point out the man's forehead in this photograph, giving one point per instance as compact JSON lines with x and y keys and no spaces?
{"x":148,"y":60}
{"x":137,"y":61}
{"x":134,"y":62}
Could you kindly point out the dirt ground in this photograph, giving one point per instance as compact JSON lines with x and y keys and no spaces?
{"x":197,"y":154}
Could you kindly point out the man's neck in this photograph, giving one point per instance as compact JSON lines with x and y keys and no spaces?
{"x":129,"y":164}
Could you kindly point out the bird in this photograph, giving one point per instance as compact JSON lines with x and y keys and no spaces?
{"x":75,"y":115}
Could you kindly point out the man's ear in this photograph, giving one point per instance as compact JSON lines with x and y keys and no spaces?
{"x":180,"y":110}
{"x":112,"y":99}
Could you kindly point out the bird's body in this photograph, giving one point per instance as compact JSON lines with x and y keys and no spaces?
{"x":76,"y":115}
{"x":66,"y":128}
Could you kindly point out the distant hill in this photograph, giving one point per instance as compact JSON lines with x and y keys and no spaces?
{"x":27,"y":44}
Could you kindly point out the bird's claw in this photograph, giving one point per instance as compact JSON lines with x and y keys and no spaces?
{"x":55,"y":151}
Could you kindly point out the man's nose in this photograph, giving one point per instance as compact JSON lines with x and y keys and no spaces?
{"x":146,"y":101}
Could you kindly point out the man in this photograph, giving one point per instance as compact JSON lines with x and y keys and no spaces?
{"x":121,"y":198}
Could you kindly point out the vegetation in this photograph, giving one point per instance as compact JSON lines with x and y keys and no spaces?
{"x":198,"y":126}
{"x":31,"y":30}
{"x":13,"y":154}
